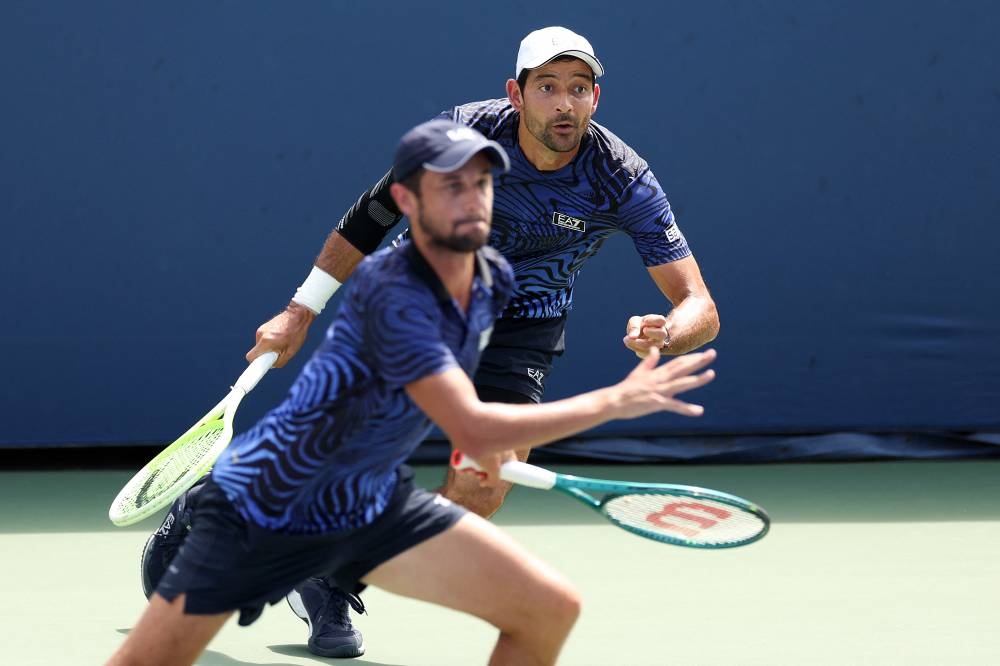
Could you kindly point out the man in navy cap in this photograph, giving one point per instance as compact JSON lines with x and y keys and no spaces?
{"x":318,"y":487}
{"x":571,"y":185}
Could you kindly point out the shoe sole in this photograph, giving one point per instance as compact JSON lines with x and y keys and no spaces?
{"x":294,"y":600}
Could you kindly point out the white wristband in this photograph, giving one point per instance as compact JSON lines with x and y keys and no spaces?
{"x":316,"y":290}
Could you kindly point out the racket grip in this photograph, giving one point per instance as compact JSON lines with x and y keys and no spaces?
{"x":512,"y":471}
{"x":257,"y":369}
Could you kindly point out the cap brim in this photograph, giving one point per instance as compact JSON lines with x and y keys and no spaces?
{"x":591,"y":61}
{"x":458,"y":155}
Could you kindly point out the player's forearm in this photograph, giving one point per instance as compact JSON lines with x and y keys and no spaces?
{"x":338,"y":257}
{"x":496,"y":427}
{"x":693,"y":323}
{"x":359,"y":232}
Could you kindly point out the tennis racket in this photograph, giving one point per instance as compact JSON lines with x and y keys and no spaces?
{"x":189,"y":457}
{"x":678,"y":515}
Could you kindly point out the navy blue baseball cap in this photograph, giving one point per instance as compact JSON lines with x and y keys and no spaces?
{"x":442,"y":146}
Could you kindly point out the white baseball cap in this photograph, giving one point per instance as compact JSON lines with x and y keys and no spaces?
{"x":541,"y":46}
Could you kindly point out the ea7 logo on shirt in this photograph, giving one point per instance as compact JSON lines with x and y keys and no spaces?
{"x":568,"y":222}
{"x":537,"y":375}
{"x":673,"y":233}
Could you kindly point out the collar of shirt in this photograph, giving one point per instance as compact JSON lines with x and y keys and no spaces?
{"x":427,"y":274}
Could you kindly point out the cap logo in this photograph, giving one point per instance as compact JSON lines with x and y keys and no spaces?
{"x":461,"y":134}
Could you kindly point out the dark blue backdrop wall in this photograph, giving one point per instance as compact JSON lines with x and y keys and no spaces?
{"x":169,"y":170}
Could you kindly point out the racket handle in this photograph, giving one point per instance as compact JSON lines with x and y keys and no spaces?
{"x":258,"y":368}
{"x":512,"y":471}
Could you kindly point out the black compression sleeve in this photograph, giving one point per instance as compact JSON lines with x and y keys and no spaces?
{"x":370,"y":218}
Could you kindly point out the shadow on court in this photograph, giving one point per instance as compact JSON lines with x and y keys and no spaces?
{"x":302,"y":653}
{"x":215,"y":658}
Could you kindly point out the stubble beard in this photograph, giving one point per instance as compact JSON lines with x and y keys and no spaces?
{"x":455,"y":242}
{"x":554,"y":142}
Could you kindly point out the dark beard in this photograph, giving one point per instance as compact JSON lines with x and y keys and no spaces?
{"x":560,"y":144}
{"x":454,"y":242}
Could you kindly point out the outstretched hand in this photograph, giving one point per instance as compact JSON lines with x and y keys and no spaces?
{"x":651,"y":387}
{"x":285,"y":333}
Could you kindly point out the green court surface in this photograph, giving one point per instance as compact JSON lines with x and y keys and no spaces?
{"x":893,"y":563}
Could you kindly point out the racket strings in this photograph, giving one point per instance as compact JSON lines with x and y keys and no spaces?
{"x":694,"y":520}
{"x":187,"y":455}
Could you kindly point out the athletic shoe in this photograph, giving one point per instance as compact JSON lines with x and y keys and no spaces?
{"x":163,"y":544}
{"x":325,"y":609}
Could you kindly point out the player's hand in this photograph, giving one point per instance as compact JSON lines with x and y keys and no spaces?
{"x":646,"y":332}
{"x":285,"y":334}
{"x":651,"y":387}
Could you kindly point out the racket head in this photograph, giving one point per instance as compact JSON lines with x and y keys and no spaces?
{"x":687,"y":516}
{"x":171,"y":472}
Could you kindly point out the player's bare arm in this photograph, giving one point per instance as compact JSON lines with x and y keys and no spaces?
{"x":693,"y":321}
{"x":286,"y":332}
{"x":359,"y":233}
{"x":480,"y":429}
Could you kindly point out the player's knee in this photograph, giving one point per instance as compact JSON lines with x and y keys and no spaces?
{"x":482,"y":501}
{"x":485,"y":504}
{"x":553,"y":610}
{"x":563,"y":604}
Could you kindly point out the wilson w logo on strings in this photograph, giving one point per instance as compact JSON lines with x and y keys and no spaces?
{"x":689,"y":514}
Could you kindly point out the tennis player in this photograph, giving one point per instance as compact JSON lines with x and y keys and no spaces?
{"x":572,"y":183}
{"x":318,"y":485}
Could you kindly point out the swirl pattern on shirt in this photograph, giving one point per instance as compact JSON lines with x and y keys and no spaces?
{"x":607,"y":187}
{"x":325,"y":459}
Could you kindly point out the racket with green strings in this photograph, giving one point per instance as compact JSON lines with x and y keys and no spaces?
{"x":678,"y":515}
{"x":189,"y":457}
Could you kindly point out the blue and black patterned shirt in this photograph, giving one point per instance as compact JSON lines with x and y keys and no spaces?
{"x":548,"y":223}
{"x":326,"y":458}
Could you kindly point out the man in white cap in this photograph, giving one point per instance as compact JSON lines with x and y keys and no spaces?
{"x":319,"y":486}
{"x":572,"y":183}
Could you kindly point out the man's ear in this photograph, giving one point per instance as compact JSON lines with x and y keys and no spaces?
{"x":514,"y":95}
{"x":597,"y":96}
{"x":405,"y":199}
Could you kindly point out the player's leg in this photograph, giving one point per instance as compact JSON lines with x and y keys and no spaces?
{"x":166,"y":635}
{"x":464,"y":489}
{"x":474,"y":567}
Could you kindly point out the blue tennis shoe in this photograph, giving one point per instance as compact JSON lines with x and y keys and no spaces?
{"x":326,"y":609}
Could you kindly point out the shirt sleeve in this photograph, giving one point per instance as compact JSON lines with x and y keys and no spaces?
{"x":646,"y":217}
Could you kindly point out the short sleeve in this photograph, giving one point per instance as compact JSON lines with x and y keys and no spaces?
{"x":648,"y":219}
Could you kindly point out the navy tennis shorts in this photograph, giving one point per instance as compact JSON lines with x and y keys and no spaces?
{"x":227,"y":563}
{"x":519,"y":356}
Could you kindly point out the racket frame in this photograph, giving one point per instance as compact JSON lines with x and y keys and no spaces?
{"x":525,"y":474}
{"x":124,"y":511}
